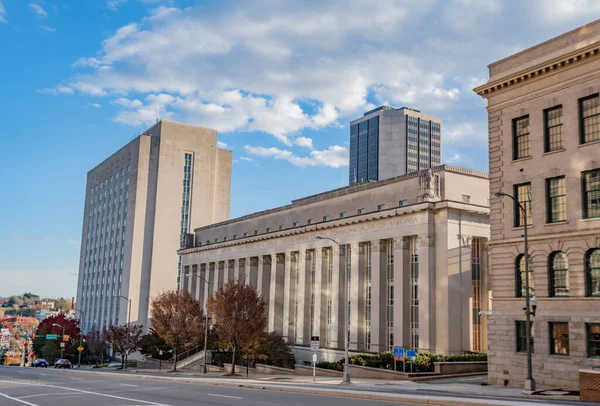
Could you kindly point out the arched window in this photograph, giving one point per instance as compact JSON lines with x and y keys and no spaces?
{"x":558,"y":278}
{"x":592,"y":272}
{"x":520,"y":272}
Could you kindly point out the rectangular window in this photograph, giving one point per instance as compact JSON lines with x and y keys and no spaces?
{"x":521,"y":137}
{"x":381,"y":207}
{"x":593,"y":340}
{"x":361,"y":211}
{"x":403,"y":203}
{"x":523,"y":194}
{"x":591,"y":193}
{"x":342,"y":215}
{"x":325,"y":218}
{"x":245,"y":234}
{"x":522,"y":337}
{"x":296,"y":224}
{"x":589,"y":119}
{"x":466,"y":198}
{"x":255,"y":232}
{"x":553,"y":129}
{"x":282,"y":227}
{"x":414,"y":292}
{"x":559,"y":338}
{"x":309,"y":221}
{"x":556,"y":199}
{"x":268,"y":229}
{"x":235,"y":236}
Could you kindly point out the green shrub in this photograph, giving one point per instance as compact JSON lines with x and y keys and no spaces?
{"x":423,"y":362}
{"x":335,"y":366}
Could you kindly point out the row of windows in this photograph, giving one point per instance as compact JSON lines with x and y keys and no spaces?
{"x":589,"y":127}
{"x":558,"y":336}
{"x":296,"y":224}
{"x":558,"y":274}
{"x":556,"y":198}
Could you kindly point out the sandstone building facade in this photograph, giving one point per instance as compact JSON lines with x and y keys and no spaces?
{"x":544,"y":142}
{"x":138,"y":203}
{"x":417,"y":264}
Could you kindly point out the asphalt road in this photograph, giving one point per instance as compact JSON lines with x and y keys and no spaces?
{"x":50,"y":387}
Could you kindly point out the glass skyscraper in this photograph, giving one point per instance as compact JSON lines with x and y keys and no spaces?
{"x":388,"y":142}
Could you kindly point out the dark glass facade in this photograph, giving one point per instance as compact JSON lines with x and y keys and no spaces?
{"x":364,"y":151}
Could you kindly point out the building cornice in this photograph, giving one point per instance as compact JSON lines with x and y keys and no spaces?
{"x":570,"y":235}
{"x":431,"y":207}
{"x":541,"y":70}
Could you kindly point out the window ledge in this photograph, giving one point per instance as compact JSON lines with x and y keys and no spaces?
{"x":556,"y":223}
{"x":585,"y":144}
{"x":524,"y":159}
{"x":591,"y":219}
{"x":554,"y":152}
{"x":559,"y":355}
{"x":522,"y":227}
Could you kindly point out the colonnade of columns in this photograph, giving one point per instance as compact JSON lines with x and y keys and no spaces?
{"x":391,"y":291}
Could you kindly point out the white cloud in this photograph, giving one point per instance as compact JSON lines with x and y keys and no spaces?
{"x":114,"y":4}
{"x":2,"y":14}
{"x":46,"y":28}
{"x":95,"y":105}
{"x":559,"y":11}
{"x":303,"y":142}
{"x":335,"y":156}
{"x":247,"y":159}
{"x":222,"y":145}
{"x":57,"y":90}
{"x":38,"y":10}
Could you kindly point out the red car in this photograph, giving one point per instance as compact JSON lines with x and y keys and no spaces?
{"x":63,"y":363}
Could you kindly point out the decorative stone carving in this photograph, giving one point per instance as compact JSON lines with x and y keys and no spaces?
{"x":426,"y":241}
{"x":375,"y":246}
{"x":281,"y":258}
{"x":465,"y":240}
{"x":429,"y":189}
{"x":254,"y":261}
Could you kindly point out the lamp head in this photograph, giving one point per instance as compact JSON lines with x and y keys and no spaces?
{"x":499,"y":194}
{"x":188,"y":275}
{"x":320,"y":237}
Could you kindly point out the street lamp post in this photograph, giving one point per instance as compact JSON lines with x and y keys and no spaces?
{"x":346,"y":378}
{"x":62,"y":340}
{"x":189,"y":275}
{"x":529,"y":381}
{"x":80,"y":338}
{"x":127,"y":329}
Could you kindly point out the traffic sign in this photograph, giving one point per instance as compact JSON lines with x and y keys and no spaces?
{"x":314,"y":343}
{"x":51,"y":336}
{"x":398,"y":354}
{"x":62,"y":345}
{"x":412,"y":354}
{"x":80,"y":348}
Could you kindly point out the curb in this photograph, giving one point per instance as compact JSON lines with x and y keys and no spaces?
{"x":402,"y":398}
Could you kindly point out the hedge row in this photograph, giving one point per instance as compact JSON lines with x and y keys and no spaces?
{"x":385,"y":360}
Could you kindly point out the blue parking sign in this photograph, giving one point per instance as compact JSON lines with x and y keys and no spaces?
{"x":411,"y":354}
{"x":398,"y":354}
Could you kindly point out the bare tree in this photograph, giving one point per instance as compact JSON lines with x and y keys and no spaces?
{"x":124,"y":339}
{"x":96,"y":343}
{"x":239,"y":315}
{"x":178,"y":319}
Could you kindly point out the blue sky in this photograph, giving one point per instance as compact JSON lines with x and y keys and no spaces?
{"x":279,"y":80}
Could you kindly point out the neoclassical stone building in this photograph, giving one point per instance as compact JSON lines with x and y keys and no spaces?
{"x":544,"y":140}
{"x":416,"y":263}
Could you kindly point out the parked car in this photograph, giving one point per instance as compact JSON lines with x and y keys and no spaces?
{"x":39,"y":363}
{"x":63,"y":363}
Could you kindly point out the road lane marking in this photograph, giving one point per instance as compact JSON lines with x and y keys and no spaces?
{"x":93,"y":393}
{"x":18,"y":400}
{"x":44,"y":394}
{"x":224,"y":396}
{"x":126,"y":384}
{"x":44,"y":374}
{"x":79,"y":379}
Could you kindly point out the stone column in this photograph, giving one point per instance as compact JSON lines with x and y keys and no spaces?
{"x":288,"y":285}
{"x":337,"y":307}
{"x":205,"y":287}
{"x":213,"y":273}
{"x":199,"y":283}
{"x":236,"y":267}
{"x":377,"y":296}
{"x":354,"y":297}
{"x":222,"y":275}
{"x":186,"y":283}
{"x":426,"y":293}
{"x":231,"y":270}
{"x":264,"y":278}
{"x":276,"y":293}
{"x":253,"y":274}
{"x":246,"y":273}
{"x":318,"y":264}
{"x":400,"y":320}
{"x":303,"y":317}
{"x":362,"y":296}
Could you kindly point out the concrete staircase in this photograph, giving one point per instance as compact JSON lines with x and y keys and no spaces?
{"x":193,"y":361}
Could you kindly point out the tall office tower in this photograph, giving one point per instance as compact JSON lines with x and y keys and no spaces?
{"x":138,"y":203}
{"x":388,"y":142}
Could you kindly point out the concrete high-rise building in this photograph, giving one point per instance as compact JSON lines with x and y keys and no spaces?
{"x":388,"y":142}
{"x":544,"y":142}
{"x":138,"y":203}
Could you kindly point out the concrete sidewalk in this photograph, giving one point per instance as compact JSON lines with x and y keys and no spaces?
{"x":398,"y":391}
